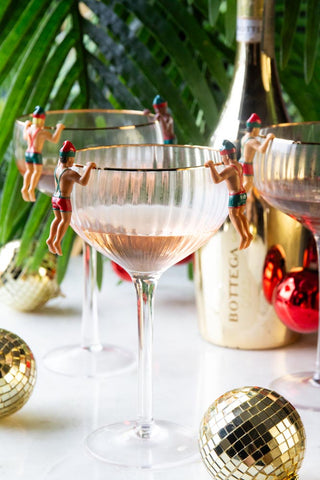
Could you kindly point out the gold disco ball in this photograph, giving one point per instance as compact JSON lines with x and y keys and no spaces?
{"x":22,"y":290}
{"x":252,"y":433}
{"x":17,"y":373}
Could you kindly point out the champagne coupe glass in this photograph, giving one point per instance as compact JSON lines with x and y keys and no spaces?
{"x":84,"y":128}
{"x":288,"y":178}
{"x":147,"y":207}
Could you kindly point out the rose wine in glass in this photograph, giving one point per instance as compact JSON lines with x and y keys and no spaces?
{"x":144,"y":252}
{"x":147,"y":207}
{"x":288,"y":178}
{"x":89,"y":358}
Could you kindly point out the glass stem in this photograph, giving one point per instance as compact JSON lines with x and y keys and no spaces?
{"x":145,"y":288}
{"x":316,"y":375}
{"x":89,"y":324}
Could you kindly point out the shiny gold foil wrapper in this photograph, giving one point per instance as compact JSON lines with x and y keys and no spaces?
{"x":252,"y":433}
{"x":22,"y":290}
{"x":17,"y":373}
{"x":232,"y":309}
{"x":250,"y":9}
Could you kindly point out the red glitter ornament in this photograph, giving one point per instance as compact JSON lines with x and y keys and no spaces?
{"x":124,"y":275}
{"x":296,"y":298}
{"x":121,"y":272}
{"x":187,"y":259}
{"x":274,"y":269}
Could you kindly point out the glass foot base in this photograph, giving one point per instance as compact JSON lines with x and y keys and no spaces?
{"x":168,"y":446}
{"x":300,"y":389}
{"x":81,"y":465}
{"x":77,"y":361}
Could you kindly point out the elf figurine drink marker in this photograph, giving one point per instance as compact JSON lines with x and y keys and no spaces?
{"x":36,"y":134}
{"x":233,"y":176}
{"x":164,"y":118}
{"x":249,"y":146}
{"x":64,"y":177}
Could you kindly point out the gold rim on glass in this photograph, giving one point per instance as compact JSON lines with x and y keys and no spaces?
{"x":157,"y":145}
{"x":95,"y":110}
{"x":291,"y":124}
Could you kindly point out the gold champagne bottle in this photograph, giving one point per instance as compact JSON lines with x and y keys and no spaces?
{"x":232,"y":308}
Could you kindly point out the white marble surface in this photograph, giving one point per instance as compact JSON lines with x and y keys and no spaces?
{"x":44,"y":440}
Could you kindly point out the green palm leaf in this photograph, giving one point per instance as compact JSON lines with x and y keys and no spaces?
{"x":62,"y":263}
{"x":200,"y":40}
{"x":12,"y":207}
{"x":4,"y":8}
{"x":289,"y":23}
{"x":312,"y":37}
{"x":31,"y":231}
{"x":230,"y":20}
{"x":213,"y":11}
{"x":41,"y":247}
{"x":34,"y":56}
{"x":45,"y":83}
{"x":161,"y":26}
{"x":12,"y":38}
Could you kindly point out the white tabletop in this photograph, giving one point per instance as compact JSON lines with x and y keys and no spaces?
{"x":45,"y":439}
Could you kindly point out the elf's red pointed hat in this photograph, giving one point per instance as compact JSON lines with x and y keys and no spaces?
{"x":158,"y":102}
{"x":39,"y":112}
{"x":254,"y":121}
{"x":67,"y":150}
{"x":227,"y":148}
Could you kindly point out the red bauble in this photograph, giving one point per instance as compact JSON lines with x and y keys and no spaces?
{"x":274,"y":270}
{"x":187,"y":259}
{"x":296,"y":298}
{"x":124,"y":275}
{"x":121,"y":272}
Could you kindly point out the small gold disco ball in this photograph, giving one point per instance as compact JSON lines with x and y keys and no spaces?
{"x":22,"y":290}
{"x":252,"y":433}
{"x":17,"y":373}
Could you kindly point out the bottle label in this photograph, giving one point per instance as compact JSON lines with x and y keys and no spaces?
{"x":233,"y":311}
{"x":233,"y":290}
{"x":249,"y":30}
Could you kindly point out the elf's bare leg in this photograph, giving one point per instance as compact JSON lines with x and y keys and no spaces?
{"x":53,"y":231}
{"x":37,"y":171}
{"x":26,"y":181}
{"x":62,"y":228}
